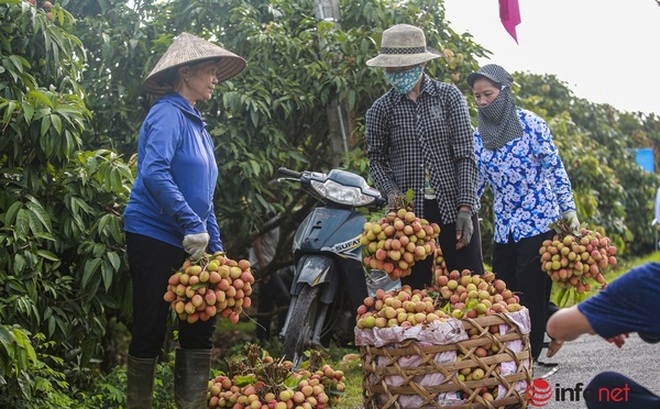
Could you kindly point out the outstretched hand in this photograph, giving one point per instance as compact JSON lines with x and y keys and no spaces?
{"x":618,"y":340}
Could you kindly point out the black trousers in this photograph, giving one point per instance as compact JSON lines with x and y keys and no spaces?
{"x":612,"y":390}
{"x":519,"y":265}
{"x":469,"y":257}
{"x":151,"y":263}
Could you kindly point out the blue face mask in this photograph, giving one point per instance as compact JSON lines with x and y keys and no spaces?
{"x":404,"y":81}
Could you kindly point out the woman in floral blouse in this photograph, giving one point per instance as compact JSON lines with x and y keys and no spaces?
{"x":518,"y":160}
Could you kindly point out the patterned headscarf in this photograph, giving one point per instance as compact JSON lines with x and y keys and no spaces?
{"x":498,"y":121}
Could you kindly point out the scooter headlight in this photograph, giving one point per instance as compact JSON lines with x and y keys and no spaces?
{"x":346,"y":195}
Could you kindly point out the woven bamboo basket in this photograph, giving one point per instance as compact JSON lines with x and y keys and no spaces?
{"x":390,"y":380}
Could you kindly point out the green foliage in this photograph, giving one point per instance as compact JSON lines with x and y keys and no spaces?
{"x":17,"y":351}
{"x":33,"y":376}
{"x":275,"y":112}
{"x":61,"y":243}
{"x":119,"y":49}
{"x":611,"y":191}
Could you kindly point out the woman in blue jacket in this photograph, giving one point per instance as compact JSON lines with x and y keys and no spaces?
{"x":170,"y":214}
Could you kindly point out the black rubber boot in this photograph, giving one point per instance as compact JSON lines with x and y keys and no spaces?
{"x":140,"y":383}
{"x":191,"y":378}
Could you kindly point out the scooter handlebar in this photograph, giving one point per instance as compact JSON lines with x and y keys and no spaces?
{"x":290,"y":173}
{"x":379,"y":203}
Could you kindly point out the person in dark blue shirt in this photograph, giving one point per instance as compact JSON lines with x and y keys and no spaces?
{"x":170,"y":214}
{"x":626,"y":305}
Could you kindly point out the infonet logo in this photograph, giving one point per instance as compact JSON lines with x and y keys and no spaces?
{"x":539,"y":393}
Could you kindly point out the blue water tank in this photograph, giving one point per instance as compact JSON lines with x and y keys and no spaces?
{"x":645,"y":160}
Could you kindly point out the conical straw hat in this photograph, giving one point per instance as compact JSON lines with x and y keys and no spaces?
{"x":185,"y":49}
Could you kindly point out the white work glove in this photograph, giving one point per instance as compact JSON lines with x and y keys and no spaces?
{"x":464,"y":228}
{"x":571,"y":218}
{"x":195,"y":244}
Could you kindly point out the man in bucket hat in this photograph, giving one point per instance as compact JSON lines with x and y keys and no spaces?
{"x":419,"y":137}
{"x":170,"y":215}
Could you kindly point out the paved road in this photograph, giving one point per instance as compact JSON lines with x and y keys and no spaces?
{"x":580,"y":360}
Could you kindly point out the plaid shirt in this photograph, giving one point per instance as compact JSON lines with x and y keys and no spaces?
{"x":404,"y":138}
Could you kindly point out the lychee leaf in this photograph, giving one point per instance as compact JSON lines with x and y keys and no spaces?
{"x":114,"y":259}
{"x":90,"y":268}
{"x":562,"y":297}
{"x":47,"y":255}
{"x":410,"y":195}
{"x":244,"y":380}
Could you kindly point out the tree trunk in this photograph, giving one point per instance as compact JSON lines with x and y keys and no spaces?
{"x":328,"y":10}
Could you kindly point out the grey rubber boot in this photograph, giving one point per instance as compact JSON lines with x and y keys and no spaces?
{"x":140,"y":373}
{"x":191,"y":378}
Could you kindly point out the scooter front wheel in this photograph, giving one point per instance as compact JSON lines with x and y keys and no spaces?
{"x":298,"y":337}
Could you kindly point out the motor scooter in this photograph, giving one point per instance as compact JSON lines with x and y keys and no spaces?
{"x":330,"y":281}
